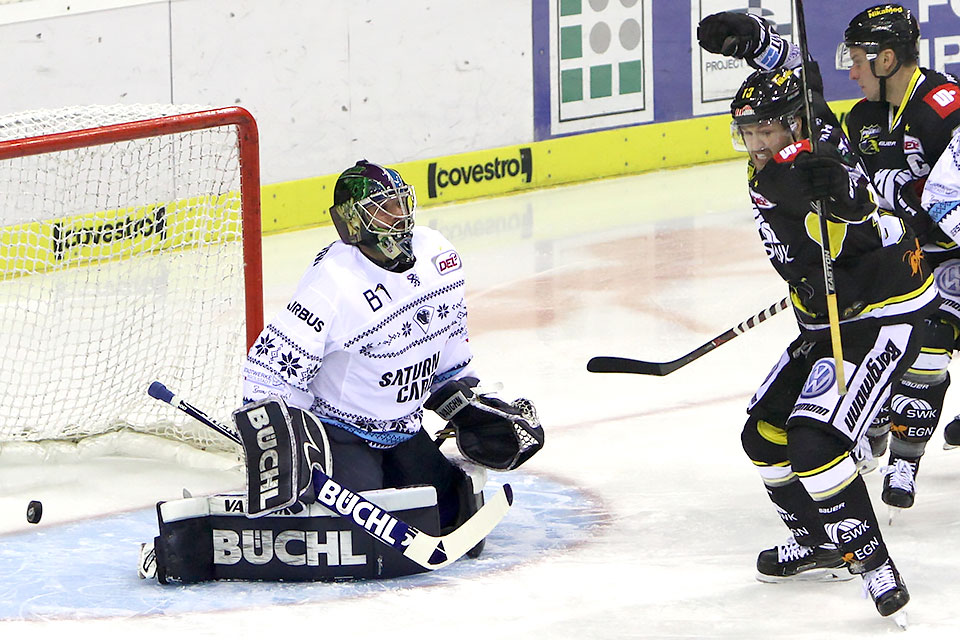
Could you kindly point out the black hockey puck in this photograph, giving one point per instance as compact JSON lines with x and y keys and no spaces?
{"x":34,"y":511}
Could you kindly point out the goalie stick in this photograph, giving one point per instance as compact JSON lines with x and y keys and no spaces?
{"x":612,"y":364}
{"x":430,"y":552}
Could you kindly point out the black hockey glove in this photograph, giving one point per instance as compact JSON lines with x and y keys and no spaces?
{"x":490,"y":432}
{"x":823,"y":175}
{"x":739,"y":35}
{"x":909,"y":207}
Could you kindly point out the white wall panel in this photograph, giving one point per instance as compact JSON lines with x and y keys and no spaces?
{"x":328,"y":81}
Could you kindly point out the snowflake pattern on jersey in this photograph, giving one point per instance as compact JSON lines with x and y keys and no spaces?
{"x":289,"y":364}
{"x":265,"y":345}
{"x":279,"y":355}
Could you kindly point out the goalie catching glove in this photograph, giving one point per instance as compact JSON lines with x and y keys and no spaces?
{"x":489,"y":431}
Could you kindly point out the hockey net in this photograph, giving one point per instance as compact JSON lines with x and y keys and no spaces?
{"x":129,"y":252}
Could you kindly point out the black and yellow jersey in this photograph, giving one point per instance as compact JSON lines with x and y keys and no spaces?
{"x":878,"y":266}
{"x":900,"y":145}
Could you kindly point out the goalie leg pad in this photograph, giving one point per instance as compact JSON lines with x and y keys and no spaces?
{"x":184,"y":550}
{"x":211,"y":538}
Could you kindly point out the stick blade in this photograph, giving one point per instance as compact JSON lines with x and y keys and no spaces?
{"x":613,"y":364}
{"x":438,"y":552}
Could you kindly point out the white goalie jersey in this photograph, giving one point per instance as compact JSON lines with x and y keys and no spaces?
{"x":362,"y":347}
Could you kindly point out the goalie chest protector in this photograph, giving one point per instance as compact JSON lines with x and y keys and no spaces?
{"x":212,"y":539}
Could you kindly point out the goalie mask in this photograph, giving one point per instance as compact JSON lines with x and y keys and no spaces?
{"x":373,"y":209}
{"x":765,"y":97}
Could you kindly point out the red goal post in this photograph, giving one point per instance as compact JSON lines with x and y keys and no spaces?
{"x":129,"y":251}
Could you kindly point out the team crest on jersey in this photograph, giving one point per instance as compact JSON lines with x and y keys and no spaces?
{"x":446,"y":262}
{"x":869,"y":139}
{"x":424,"y":316}
{"x":944,"y":99}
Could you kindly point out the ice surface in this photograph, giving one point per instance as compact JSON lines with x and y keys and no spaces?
{"x":641,"y":518}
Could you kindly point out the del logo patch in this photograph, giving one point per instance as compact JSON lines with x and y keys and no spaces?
{"x":944,"y":99}
{"x":446,"y":262}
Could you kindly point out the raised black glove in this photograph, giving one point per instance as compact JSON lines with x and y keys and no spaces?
{"x":822,"y":175}
{"x":908,"y":206}
{"x":740,"y":35}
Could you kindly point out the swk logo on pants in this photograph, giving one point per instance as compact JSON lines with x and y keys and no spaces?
{"x":498,"y":168}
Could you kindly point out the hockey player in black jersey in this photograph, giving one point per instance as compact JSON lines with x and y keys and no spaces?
{"x":900,"y":131}
{"x":800,"y":430}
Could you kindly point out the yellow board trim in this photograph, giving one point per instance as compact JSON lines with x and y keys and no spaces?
{"x":560,"y":161}
{"x":104,"y":236}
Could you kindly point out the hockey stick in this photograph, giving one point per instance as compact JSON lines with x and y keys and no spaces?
{"x":611,"y":364}
{"x":820,"y":208}
{"x":430,"y":552}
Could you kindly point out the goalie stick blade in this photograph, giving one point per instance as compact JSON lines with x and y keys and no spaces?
{"x":613,"y":364}
{"x":435,"y":552}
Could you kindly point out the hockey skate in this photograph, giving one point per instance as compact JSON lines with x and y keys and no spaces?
{"x":147,"y":565}
{"x":899,"y":483}
{"x":885,"y":587}
{"x":951,"y":434}
{"x":793,"y":562}
{"x":877,"y":438}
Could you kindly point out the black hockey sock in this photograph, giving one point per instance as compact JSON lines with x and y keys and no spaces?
{"x":915,"y":410}
{"x":799,"y":512}
{"x":850,"y":522}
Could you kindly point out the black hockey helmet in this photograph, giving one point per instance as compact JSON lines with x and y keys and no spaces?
{"x":767,"y":96}
{"x":884,"y":26}
{"x":373,"y":208}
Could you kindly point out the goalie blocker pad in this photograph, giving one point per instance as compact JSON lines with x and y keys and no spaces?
{"x":281,"y":446}
{"x":489,"y":431}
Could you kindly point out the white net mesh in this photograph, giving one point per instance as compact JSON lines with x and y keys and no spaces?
{"x":120,"y":264}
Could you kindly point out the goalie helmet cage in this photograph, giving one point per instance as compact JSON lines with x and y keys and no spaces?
{"x":129,"y":252}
